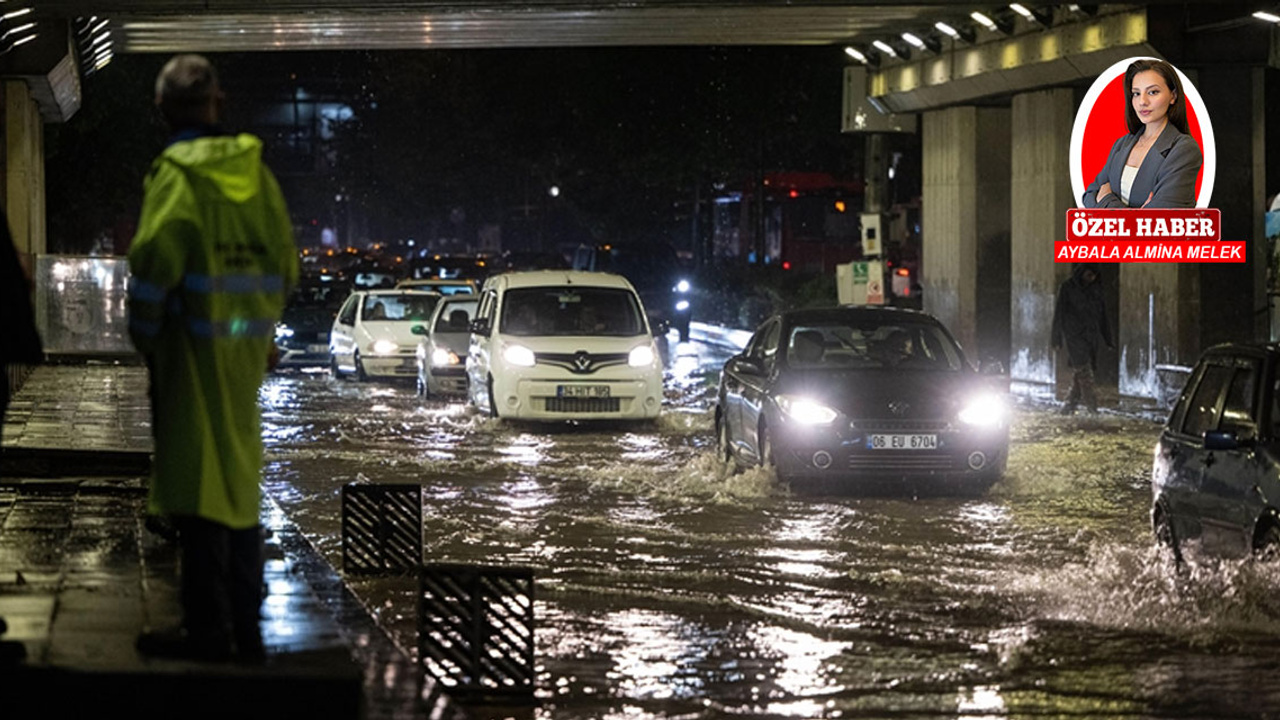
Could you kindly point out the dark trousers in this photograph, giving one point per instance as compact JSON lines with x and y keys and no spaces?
{"x":221,"y":581}
{"x":1082,"y":389}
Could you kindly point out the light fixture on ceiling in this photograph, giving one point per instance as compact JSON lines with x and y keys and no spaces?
{"x":885,"y":48}
{"x":927,"y":42}
{"x":964,"y":33}
{"x":1032,"y":14}
{"x":998,"y":25}
{"x":858,"y":55}
{"x":1269,"y":17}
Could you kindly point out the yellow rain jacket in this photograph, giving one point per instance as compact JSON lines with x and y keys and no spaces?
{"x":212,"y":264}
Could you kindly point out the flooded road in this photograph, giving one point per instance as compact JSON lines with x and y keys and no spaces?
{"x":668,"y":587}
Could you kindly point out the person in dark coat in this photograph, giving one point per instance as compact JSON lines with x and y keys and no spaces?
{"x":1080,"y":323}
{"x":17,"y":322}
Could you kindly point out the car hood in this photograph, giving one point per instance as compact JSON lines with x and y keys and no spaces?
{"x":906,"y":395}
{"x":458,"y":342}
{"x":574,"y":344}
{"x":399,"y":331}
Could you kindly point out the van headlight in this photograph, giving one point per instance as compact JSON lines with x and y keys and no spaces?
{"x":985,"y":410}
{"x":440,"y":357}
{"x":806,"y":411}
{"x":383,"y":347}
{"x":519,"y":355}
{"x":640,"y":356}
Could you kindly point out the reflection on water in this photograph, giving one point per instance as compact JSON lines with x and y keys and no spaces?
{"x":668,"y":586}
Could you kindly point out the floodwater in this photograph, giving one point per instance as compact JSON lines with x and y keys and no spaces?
{"x":668,"y":587}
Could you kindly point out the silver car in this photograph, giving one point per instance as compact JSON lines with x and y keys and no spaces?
{"x":442,"y":350}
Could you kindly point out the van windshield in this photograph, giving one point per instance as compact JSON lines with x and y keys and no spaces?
{"x":564,"y":311}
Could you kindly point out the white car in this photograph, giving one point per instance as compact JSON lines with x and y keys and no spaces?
{"x":442,"y":350}
{"x":439,"y":285}
{"x":373,"y":333}
{"x":559,"y":345}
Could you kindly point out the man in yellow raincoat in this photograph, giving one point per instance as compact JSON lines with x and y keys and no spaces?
{"x":211,"y":264}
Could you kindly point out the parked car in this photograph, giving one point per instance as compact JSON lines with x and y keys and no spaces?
{"x":440,"y":285}
{"x":373,"y":333}
{"x":864,"y":398}
{"x":1215,"y":479}
{"x":302,"y":335}
{"x":560,"y":344}
{"x":442,"y":349}
{"x":655,"y":272}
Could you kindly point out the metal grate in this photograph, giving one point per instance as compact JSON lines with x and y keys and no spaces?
{"x":381,"y":528}
{"x":584,"y":405}
{"x":900,"y":425}
{"x":475,"y":629}
{"x":889,"y":461}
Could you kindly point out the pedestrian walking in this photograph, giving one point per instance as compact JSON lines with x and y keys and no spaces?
{"x":17,"y":322}
{"x":1080,"y":323}
{"x":212,"y":263}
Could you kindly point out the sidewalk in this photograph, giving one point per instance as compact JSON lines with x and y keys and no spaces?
{"x":80,"y":577}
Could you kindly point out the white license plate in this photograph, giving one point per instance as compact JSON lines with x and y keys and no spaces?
{"x":317,"y":349}
{"x":902,"y":442}
{"x":582,"y":391}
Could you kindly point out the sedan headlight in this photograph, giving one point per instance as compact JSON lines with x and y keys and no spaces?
{"x":985,"y":410}
{"x":283,"y":331}
{"x":383,"y":347}
{"x":640,"y":356}
{"x":682,"y":286}
{"x":806,"y":411}
{"x":519,"y":355}
{"x":682,"y":306}
{"x":441,"y":357}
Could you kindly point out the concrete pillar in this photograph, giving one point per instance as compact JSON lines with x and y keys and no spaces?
{"x":965,"y":210}
{"x":24,"y":168}
{"x":1040,"y":197}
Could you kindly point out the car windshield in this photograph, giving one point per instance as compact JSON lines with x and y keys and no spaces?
{"x":571,"y":311}
{"x":902,"y":346}
{"x":455,"y":317}
{"x":402,"y":307}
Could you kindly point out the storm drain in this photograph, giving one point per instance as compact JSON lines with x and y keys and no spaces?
{"x":381,"y":528}
{"x":475,"y":630}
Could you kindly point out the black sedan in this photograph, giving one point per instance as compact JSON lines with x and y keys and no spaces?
{"x":865,"y":397}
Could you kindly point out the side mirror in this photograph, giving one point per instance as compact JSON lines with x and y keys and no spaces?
{"x":480,"y":326}
{"x":418,"y":329}
{"x":743,"y":365}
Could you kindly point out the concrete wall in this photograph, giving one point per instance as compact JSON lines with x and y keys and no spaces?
{"x":966,"y":225}
{"x":1040,"y":196}
{"x":24,"y":168}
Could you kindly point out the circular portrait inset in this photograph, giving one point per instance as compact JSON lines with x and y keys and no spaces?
{"x":1142,"y":139}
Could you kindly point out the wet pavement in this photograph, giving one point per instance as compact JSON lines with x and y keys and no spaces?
{"x":668,"y":586}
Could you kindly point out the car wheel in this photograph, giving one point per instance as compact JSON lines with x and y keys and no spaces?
{"x":1165,"y":537}
{"x":1266,"y":542}
{"x":723,"y":449}
{"x":493,"y":404}
{"x":360,"y":373}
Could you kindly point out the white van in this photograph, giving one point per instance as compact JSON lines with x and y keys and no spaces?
{"x":560,"y":344}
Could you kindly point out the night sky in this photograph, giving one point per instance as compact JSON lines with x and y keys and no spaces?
{"x":443,"y":141}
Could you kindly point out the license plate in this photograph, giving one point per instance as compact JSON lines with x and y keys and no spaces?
{"x":317,"y":349}
{"x":582,"y":391}
{"x":902,"y":442}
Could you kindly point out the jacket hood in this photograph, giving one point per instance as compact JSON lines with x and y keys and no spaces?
{"x":232,"y":164}
{"x":1078,"y":273}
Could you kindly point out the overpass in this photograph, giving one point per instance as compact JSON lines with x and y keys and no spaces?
{"x":994,"y":101}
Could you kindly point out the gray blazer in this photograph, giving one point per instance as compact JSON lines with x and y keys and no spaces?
{"x":1167,"y":175}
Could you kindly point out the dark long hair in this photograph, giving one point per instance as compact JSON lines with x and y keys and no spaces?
{"x":1177,"y":111}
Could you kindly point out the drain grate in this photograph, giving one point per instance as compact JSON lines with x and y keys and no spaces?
{"x":475,"y":629}
{"x":381,"y":528}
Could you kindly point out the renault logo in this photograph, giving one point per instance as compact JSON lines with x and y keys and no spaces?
{"x":898,"y":408}
{"x":582,"y":362}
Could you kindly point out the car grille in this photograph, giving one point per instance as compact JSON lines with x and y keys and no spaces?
{"x":884,"y":460}
{"x":931,"y":426}
{"x":582,"y":363}
{"x":583,"y":405}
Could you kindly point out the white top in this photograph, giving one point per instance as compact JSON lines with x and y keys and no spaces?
{"x":1126,"y":182}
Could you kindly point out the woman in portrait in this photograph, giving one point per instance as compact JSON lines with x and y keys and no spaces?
{"x":1156,"y":164}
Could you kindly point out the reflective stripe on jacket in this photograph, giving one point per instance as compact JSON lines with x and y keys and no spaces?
{"x":211,"y":265}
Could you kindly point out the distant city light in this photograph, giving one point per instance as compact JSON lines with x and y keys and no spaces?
{"x":554,"y":191}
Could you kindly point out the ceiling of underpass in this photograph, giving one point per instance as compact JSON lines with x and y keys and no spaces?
{"x":236,"y":25}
